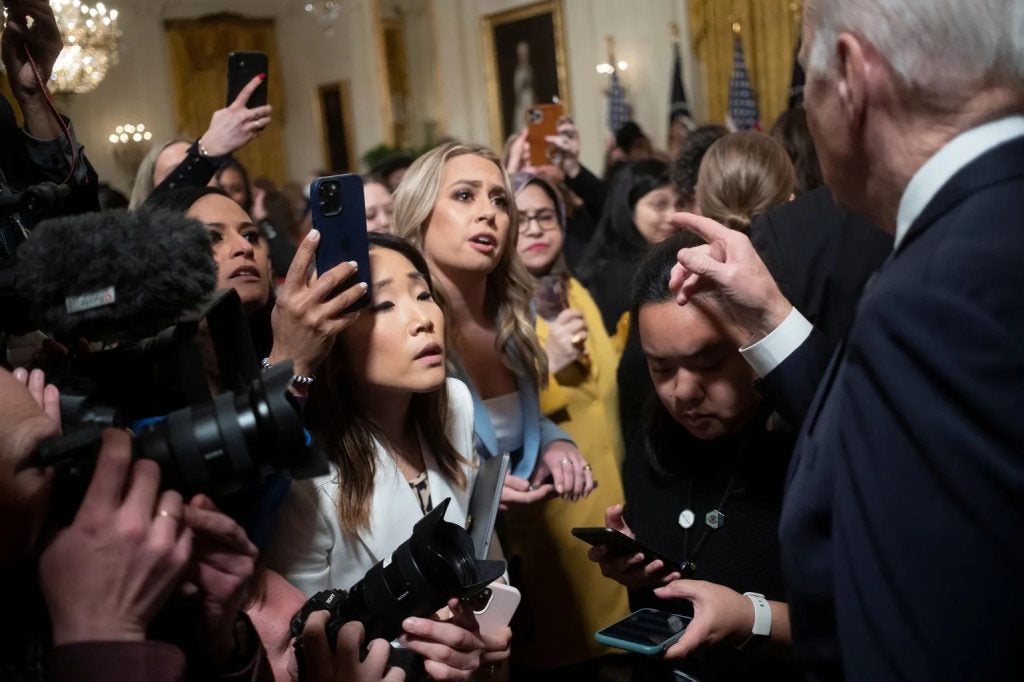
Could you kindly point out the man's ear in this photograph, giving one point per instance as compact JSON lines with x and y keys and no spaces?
{"x":852,"y":83}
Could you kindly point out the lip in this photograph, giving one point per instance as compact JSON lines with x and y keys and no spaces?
{"x":246,"y":272}
{"x":431,"y":353}
{"x":537,"y":247}
{"x":484,"y":242}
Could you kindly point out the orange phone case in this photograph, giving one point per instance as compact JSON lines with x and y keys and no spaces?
{"x":542,"y":121}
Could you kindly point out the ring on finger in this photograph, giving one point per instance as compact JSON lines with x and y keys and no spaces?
{"x":565,"y":460}
{"x":587,"y":467}
{"x":578,"y":337}
{"x":163,"y":513}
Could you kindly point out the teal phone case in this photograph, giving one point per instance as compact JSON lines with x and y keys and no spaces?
{"x":652,"y":649}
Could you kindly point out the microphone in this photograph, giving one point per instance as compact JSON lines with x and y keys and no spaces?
{"x":115,"y":274}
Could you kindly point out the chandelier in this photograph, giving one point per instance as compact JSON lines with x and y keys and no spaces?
{"x":326,"y":11}
{"x":92,"y":39}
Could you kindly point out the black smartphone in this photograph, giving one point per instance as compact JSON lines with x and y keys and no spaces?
{"x":620,"y":544}
{"x":647,"y":631}
{"x":339,"y":214}
{"x":242,"y":68}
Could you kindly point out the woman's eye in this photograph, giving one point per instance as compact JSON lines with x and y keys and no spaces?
{"x":215,"y":237}
{"x":463,"y":195}
{"x":500,"y":202}
{"x":382,"y":307}
{"x":425,"y":296}
{"x":252,"y":237}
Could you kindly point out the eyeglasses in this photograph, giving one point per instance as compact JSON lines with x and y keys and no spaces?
{"x":546,"y":221}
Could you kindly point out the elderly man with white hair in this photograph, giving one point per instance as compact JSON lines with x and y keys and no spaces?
{"x":903,"y":524}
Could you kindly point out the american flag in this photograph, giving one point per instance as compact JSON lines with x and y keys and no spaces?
{"x":743,"y":113}
{"x":619,"y":110}
{"x":679,"y":106}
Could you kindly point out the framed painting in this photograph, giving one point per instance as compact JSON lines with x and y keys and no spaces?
{"x":524,"y":54}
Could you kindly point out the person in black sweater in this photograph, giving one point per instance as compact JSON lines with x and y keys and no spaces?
{"x":706,"y":451}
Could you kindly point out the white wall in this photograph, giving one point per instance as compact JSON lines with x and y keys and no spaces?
{"x":138,"y":88}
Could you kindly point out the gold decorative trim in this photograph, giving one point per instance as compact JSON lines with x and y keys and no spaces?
{"x":487,"y":25}
{"x":387,"y":116}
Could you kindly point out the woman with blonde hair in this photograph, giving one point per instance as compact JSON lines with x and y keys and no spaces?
{"x":456,"y":203}
{"x":743,"y":175}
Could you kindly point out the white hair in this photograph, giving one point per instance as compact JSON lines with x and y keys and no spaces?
{"x":939,"y":47}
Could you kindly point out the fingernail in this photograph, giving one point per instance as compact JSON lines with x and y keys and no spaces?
{"x":558,"y":489}
{"x":313,"y":235}
{"x":262,"y":77}
{"x":355,"y":265}
{"x":410,"y":624}
{"x":363,"y":285}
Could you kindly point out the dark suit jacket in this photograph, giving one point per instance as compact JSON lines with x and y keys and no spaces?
{"x":821,"y":256}
{"x":903,"y":520}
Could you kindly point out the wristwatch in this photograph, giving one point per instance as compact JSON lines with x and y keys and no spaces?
{"x":762,"y":619}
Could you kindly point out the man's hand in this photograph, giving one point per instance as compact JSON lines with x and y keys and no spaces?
{"x":629,"y":570}
{"x":44,"y":43}
{"x":223,"y":563}
{"x":107,"y":574}
{"x":729,"y":264}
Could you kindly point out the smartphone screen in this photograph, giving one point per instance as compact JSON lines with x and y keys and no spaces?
{"x":647,"y":627}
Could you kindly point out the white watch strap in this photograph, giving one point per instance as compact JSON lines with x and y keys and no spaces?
{"x":762,"y":614}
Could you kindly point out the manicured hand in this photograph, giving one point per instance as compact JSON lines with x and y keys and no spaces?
{"x":567,"y":340}
{"x":234,"y":126}
{"x":568,"y":469}
{"x":520,"y":491}
{"x":564,"y":147}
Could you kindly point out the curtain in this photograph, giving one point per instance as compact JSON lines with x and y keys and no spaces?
{"x":199,"y":50}
{"x":770,"y":30}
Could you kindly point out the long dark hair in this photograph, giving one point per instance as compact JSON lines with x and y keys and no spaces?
{"x":345,"y":430}
{"x":180,"y":200}
{"x":616,"y":235}
{"x":234,"y":164}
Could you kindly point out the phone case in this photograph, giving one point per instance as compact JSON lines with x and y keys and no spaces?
{"x":622,"y":544}
{"x":552,"y":296}
{"x":343,"y":235}
{"x":242,"y":68}
{"x":498,"y":612}
{"x":542,"y":121}
{"x":651,"y":649}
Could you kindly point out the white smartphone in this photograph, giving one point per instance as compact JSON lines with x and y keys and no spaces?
{"x":495,"y":615}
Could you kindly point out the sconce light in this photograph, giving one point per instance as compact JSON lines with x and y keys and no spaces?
{"x":608,"y":69}
{"x":130,"y":133}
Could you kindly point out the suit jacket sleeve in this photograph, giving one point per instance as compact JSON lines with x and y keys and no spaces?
{"x":930,"y":433}
{"x":591,"y":190}
{"x":790,"y":387}
{"x":195,"y":171}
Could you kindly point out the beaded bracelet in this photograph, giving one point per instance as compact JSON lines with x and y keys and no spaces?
{"x":297,"y":379}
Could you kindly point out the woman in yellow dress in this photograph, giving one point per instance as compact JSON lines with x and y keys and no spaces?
{"x":567,"y":602}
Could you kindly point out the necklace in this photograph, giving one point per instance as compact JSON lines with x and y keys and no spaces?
{"x":713,"y":520}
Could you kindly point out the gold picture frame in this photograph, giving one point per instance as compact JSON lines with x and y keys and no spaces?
{"x":540,"y":26}
{"x":337,"y":143}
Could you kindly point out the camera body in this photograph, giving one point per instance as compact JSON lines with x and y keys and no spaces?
{"x":434,"y":565}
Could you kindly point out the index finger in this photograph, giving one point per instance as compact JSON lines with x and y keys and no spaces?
{"x":705,"y":228}
{"x":246,"y":92}
{"x":106,"y":489}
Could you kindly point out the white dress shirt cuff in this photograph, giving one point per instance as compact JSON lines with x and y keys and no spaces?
{"x":769,"y":352}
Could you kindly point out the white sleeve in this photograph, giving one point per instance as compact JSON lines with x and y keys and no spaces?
{"x":769,"y":352}
{"x":301,"y":544}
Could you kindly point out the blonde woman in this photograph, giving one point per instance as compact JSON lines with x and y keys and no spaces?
{"x":456,"y":204}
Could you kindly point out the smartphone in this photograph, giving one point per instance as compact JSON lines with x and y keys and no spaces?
{"x":339,"y":214}
{"x":620,"y":544}
{"x":552,"y":295}
{"x":498,"y":603}
{"x":541,"y":121}
{"x":647,"y":631}
{"x":242,"y":68}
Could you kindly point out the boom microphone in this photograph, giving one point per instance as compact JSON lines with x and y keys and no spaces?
{"x":116,"y":274}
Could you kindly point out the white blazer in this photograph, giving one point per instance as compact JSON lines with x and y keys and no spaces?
{"x":308,"y":547}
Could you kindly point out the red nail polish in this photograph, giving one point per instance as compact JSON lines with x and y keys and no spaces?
{"x":262,"y":77}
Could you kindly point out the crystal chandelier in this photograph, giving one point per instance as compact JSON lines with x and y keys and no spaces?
{"x":92,"y":39}
{"x":327,"y":11}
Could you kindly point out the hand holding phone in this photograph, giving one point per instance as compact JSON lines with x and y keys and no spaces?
{"x":497,"y":604}
{"x":243,"y":68}
{"x":622,"y":558}
{"x":542,"y":122}
{"x":647,"y":631}
{"x":236,"y":125}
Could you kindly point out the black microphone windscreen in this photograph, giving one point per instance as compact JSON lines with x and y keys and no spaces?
{"x":108,"y":275}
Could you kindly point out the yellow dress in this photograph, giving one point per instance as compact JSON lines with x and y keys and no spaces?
{"x":568,"y":600}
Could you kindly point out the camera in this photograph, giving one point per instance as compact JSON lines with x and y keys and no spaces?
{"x":535,"y":116}
{"x":160,"y":387}
{"x":434,"y":565}
{"x":329,"y":197}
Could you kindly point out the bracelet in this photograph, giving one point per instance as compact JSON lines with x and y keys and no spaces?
{"x":297,"y":379}
{"x":203,"y":151}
